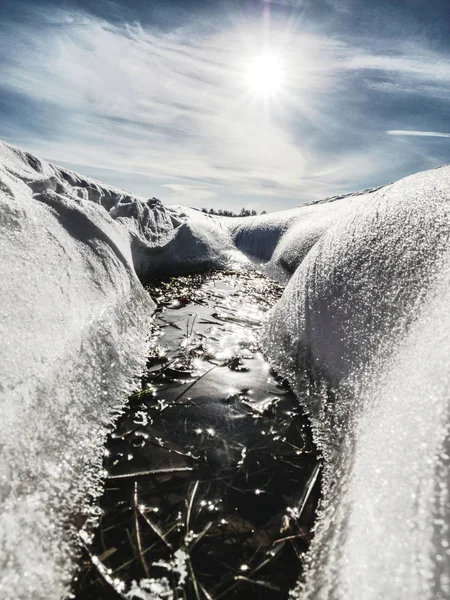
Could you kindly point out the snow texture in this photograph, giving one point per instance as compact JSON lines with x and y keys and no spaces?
{"x":362,"y":332}
{"x":196,"y":242}
{"x":151,"y":589}
{"x":73,"y":322}
{"x":281,"y":240}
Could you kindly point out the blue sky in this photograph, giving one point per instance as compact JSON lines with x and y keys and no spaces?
{"x":155,"y":96}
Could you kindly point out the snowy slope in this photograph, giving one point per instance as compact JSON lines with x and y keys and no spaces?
{"x":363,"y":333}
{"x":73,"y":327}
{"x":197,"y":242}
{"x":281,"y":240}
{"x":73,"y":322}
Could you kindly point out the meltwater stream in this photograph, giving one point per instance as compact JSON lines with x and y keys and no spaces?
{"x":212,"y":476}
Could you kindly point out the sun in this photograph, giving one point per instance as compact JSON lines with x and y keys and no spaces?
{"x":265,"y":74}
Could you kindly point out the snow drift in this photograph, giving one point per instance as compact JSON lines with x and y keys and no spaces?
{"x":362,"y":332}
{"x":281,"y":240}
{"x":73,"y":324}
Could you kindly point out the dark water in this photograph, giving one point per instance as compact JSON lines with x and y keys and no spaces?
{"x":213,"y":477}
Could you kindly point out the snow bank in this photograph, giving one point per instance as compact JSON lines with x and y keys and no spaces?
{"x":363,"y":334}
{"x":73,"y":325}
{"x":280,"y":241}
{"x":197,"y":242}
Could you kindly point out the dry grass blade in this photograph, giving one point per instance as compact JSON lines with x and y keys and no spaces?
{"x":136,"y":513}
{"x":151,"y":472}
{"x":291,"y":537}
{"x":201,"y":535}
{"x":193,"y":579}
{"x":258,"y":582}
{"x":308,"y":489}
{"x":193,"y":383}
{"x":106,"y":554}
{"x":156,"y":530}
{"x":205,"y":592}
{"x":104,"y":574}
{"x":190,"y":504}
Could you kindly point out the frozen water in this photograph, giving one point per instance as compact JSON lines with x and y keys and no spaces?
{"x":230,"y":439}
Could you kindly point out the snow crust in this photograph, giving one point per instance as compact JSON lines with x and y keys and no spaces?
{"x":362,"y":333}
{"x":73,"y":320}
{"x":197,"y":242}
{"x":281,"y":240}
{"x":73,"y":328}
{"x":73,"y":323}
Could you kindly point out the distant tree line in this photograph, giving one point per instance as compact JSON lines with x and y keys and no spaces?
{"x":245,"y":212}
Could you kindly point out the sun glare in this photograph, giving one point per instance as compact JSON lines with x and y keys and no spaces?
{"x":265,"y":74}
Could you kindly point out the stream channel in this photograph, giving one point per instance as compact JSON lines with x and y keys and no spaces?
{"x":212,"y":476}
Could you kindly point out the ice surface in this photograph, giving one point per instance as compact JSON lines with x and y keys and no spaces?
{"x":362,"y":332}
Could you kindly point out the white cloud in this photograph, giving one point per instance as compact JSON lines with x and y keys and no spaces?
{"x":145,"y":102}
{"x":412,"y":132}
{"x":192,"y":195}
{"x":404,"y":65}
{"x":174,"y":106}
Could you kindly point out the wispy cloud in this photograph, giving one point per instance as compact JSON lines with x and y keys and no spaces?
{"x":173,"y":107}
{"x":412,"y":132}
{"x":409,"y":61}
{"x":189,"y":194}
